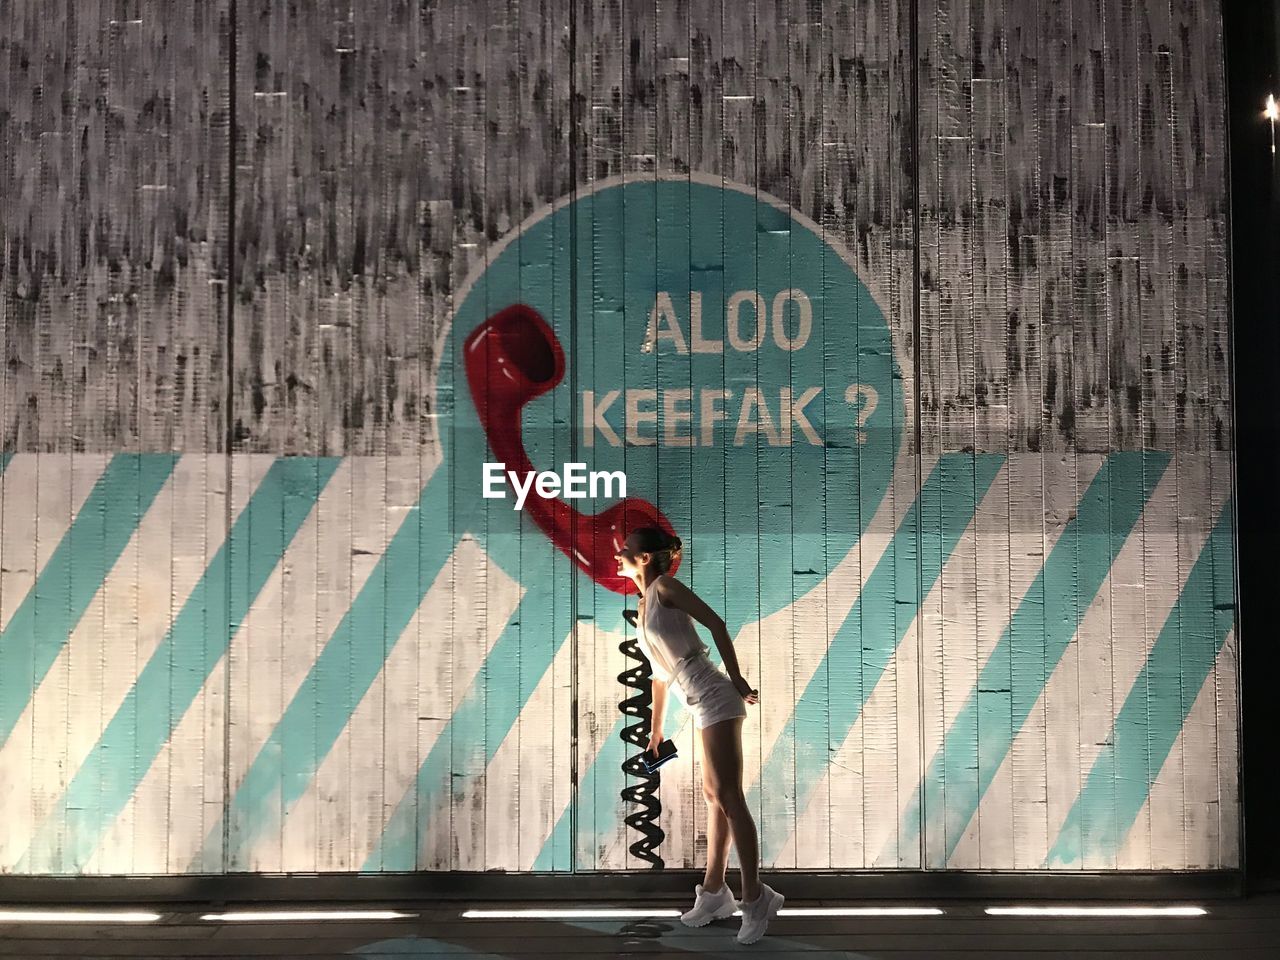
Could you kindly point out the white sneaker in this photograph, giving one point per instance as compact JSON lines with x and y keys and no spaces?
{"x":709,"y":906}
{"x":757,"y":914}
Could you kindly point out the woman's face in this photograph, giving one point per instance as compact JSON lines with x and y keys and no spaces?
{"x":630,"y":560}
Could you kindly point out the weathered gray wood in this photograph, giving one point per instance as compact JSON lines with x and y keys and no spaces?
{"x":114,"y":119}
{"x":352,"y":158}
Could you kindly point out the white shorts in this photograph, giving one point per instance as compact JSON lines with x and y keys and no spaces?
{"x":706,"y":691}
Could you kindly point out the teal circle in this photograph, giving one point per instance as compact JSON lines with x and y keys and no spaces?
{"x":762,"y":523}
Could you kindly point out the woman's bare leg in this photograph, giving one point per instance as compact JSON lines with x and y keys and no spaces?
{"x":722,"y":746}
{"x":718,"y":839}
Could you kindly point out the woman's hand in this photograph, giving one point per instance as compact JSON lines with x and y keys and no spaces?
{"x":750,"y":695}
{"x":655,"y":740}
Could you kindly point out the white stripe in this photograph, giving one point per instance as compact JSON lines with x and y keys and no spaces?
{"x":46,"y":744}
{"x":1202,"y":800}
{"x":1154,"y":536}
{"x":893,"y":702}
{"x":1203,"y":851}
{"x":180,"y":795}
{"x":1024,"y":534}
{"x":456,"y":633}
{"x":830,"y":830}
{"x":529,"y":773}
{"x":324,"y":576}
{"x":1171,"y":813}
{"x":380,"y":744}
{"x":273,"y":652}
{"x":369,"y":783}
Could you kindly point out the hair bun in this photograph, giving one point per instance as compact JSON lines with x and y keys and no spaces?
{"x":675,"y":543}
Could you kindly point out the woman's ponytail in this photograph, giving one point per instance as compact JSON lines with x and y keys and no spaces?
{"x":673,"y":548}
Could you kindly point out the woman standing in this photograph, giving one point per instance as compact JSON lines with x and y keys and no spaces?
{"x":679,"y":660}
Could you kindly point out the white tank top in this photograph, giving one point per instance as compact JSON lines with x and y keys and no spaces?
{"x":668,"y":635}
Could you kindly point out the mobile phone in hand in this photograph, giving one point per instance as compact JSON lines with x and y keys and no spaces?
{"x":666,"y":751}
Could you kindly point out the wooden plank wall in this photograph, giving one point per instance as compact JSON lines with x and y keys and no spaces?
{"x":1037,"y":204}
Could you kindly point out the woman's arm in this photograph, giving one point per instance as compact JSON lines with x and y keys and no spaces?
{"x":659,"y":708}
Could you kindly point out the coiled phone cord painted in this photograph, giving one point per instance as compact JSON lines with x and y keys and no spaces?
{"x":644,"y":789}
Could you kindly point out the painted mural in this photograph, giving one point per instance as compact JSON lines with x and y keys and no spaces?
{"x":934,"y":386}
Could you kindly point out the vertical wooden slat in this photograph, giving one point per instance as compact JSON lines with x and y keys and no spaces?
{"x":931,"y":386}
{"x":1154,"y":248}
{"x":616,"y":82}
{"x":1158,"y":332}
{"x":851,"y":50}
{"x":963,"y":415}
{"x":1165,"y":677}
{"x":18,"y":541}
{"x":314,"y":577}
{"x":997,"y":540}
{"x":350,"y":535}
{"x":809,"y":474}
{"x":389,"y":43}
{"x":697,"y":73}
{"x":1226,"y":674}
{"x":543,"y":734}
{"x":1194,"y":196}
{"x":1092,"y":327}
{"x":65,"y":702}
{"x":388,"y":759}
{"x":678,"y":136}
{"x":212,"y":717}
{"x":441,"y":271}
{"x":493,"y":33}
{"x":902,"y":158}
{"x":54,"y":507}
{"x":743,"y":107}
{"x":1027,"y":479}
{"x":1219,"y":439}
{"x":1128,"y":581}
{"x":1066,"y":477}
{"x":471,"y":211}
{"x":1198,"y":697}
{"x":779,"y":44}
{"x":1090,"y":321}
{"x":255,"y":698}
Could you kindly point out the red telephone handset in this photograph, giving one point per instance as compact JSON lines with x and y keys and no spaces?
{"x":511,"y":358}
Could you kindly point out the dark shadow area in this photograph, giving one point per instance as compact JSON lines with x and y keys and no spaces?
{"x":1250,"y":30}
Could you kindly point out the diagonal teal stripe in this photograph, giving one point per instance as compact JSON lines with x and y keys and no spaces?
{"x":477,"y":727}
{"x":1031,"y":646}
{"x":1155,"y":709}
{"x":867,"y":639}
{"x":341,"y":675}
{"x":169,"y":683}
{"x":5,"y":457}
{"x":42,"y":624}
